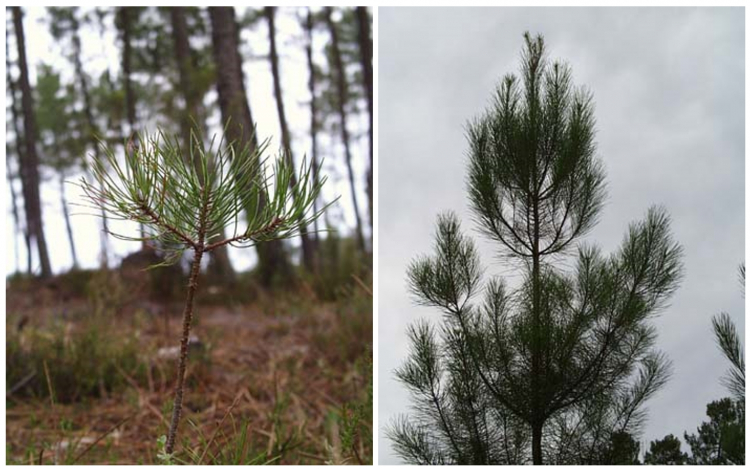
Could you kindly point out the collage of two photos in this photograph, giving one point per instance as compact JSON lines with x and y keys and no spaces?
{"x":363,"y":235}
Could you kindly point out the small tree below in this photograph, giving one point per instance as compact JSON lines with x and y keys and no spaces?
{"x":666,"y":452}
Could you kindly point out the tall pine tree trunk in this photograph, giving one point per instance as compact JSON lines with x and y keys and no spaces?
{"x":342,"y":93}
{"x":30,"y":168}
{"x":538,"y":381}
{"x":313,"y":119}
{"x":219,"y":265}
{"x":92,"y":132}
{"x":68,"y":226}
{"x":286,"y":139}
{"x":19,"y":152}
{"x":126,"y":27}
{"x":236,"y":117}
{"x":365,"y":54}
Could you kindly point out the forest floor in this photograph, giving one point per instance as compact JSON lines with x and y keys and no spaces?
{"x":276,"y":380}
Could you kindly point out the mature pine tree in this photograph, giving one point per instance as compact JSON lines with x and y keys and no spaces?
{"x":311,"y":86}
{"x":64,"y":24}
{"x":286,"y":137}
{"x":19,"y":151}
{"x":30,"y":166}
{"x":561,"y":365}
{"x":342,"y":94}
{"x":235,"y":112}
{"x":126,"y":17}
{"x":365,"y":52}
{"x":59,"y":132}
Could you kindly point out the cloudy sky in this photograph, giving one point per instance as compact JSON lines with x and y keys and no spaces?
{"x":669,"y":93}
{"x":99,"y":55}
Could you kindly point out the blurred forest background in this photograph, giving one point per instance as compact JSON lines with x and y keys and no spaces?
{"x":281,"y":364}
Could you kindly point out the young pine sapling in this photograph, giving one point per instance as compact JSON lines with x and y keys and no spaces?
{"x":185,"y":201}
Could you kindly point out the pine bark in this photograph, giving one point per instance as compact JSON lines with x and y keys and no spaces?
{"x":313,"y":118}
{"x":126,"y":27}
{"x":286,"y":138}
{"x":30,"y":168}
{"x":16,"y":118}
{"x":365,"y":53}
{"x":219,"y":266}
{"x":238,"y":121}
{"x":342,"y":93}
{"x":14,"y":207}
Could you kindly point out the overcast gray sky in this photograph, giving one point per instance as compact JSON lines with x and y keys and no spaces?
{"x":669,"y":92}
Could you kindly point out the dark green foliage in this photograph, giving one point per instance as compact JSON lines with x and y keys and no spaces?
{"x":666,"y":451}
{"x":621,"y":450}
{"x":728,"y":339}
{"x":532,"y":155}
{"x":556,"y":370}
{"x":730,"y":344}
{"x":721,"y":440}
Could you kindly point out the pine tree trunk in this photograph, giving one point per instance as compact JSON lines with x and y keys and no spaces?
{"x":342,"y":94}
{"x":34,"y":218}
{"x":14,"y":206}
{"x":127,"y":56}
{"x":19,"y":152}
{"x":536,"y":445}
{"x":219,"y":266}
{"x":538,"y":383}
{"x":126,"y":25}
{"x":92,"y":135}
{"x":237,"y":119}
{"x":68,"y":226}
{"x":365,"y":52}
{"x":313,"y":123}
{"x":286,"y":139}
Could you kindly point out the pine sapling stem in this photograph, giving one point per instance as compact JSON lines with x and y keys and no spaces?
{"x":187,"y":319}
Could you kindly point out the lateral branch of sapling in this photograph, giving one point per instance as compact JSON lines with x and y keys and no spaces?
{"x":158,"y":221}
{"x":243,"y":237}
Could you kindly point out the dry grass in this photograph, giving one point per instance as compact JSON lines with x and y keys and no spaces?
{"x":270,"y":384}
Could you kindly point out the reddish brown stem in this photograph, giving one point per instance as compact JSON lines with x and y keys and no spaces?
{"x":158,"y":221}
{"x":187,"y":319}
